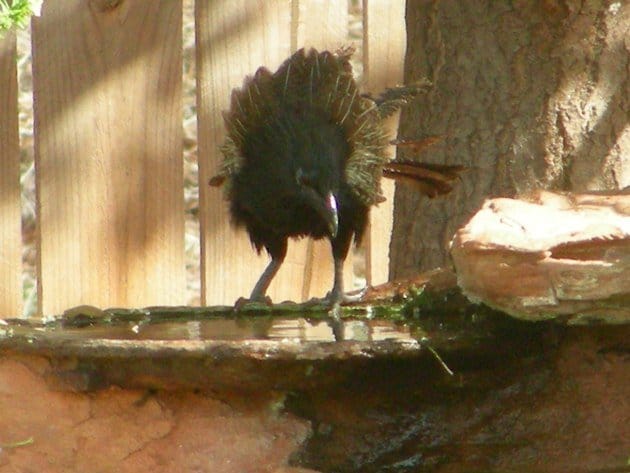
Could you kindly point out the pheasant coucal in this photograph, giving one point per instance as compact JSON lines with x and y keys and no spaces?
{"x":304,"y":155}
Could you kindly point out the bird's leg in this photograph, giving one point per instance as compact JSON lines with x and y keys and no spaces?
{"x":278,"y":251}
{"x":260,"y":289}
{"x":337,"y":295}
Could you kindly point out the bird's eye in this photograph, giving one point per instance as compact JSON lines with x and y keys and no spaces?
{"x":303,"y":179}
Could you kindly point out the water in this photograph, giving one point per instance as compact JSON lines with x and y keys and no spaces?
{"x":298,"y":329}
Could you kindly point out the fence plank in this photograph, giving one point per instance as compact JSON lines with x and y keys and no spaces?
{"x":108,"y":137}
{"x":322,"y":24}
{"x":384,"y":53}
{"x":10,"y":228}
{"x":234,"y":38}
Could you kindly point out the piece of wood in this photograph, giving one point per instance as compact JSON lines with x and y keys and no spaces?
{"x":10,"y":228}
{"x":108,"y":153}
{"x":549,"y":255}
{"x":384,"y":53}
{"x":267,"y":34}
{"x":322,"y":25}
{"x":233,"y":39}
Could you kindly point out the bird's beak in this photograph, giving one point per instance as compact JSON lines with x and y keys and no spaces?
{"x":333,"y":217}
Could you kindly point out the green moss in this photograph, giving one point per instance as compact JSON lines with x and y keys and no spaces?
{"x":14,"y":13}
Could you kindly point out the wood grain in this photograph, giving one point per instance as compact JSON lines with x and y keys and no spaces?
{"x":10,"y":228}
{"x":108,"y":137}
{"x":234,"y":38}
{"x":384,"y":53}
{"x":549,"y":254}
{"x":322,"y":25}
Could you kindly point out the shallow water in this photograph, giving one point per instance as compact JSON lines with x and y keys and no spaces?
{"x":273,"y":328}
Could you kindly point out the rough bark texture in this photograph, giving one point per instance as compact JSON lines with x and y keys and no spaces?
{"x":527,"y":94}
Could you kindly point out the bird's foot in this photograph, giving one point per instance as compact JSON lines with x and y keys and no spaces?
{"x":243,"y":303}
{"x":354,"y":296}
{"x":337,"y":298}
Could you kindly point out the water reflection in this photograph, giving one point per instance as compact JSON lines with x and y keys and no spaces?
{"x":298,"y":329}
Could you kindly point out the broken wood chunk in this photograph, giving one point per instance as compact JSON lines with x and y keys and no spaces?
{"x":549,"y":255}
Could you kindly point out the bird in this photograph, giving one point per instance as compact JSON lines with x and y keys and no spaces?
{"x":304,"y":154}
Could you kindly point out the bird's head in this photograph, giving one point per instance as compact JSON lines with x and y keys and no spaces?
{"x":320,"y":197}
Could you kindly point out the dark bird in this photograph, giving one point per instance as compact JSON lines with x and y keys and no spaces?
{"x":304,"y":155}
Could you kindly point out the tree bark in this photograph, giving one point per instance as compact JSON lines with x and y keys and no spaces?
{"x":526,"y":94}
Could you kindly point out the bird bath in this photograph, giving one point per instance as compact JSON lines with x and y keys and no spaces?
{"x":398,"y":386}
{"x":214,"y":348}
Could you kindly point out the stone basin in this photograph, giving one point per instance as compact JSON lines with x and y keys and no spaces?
{"x":212,"y":349}
{"x":443,"y":386}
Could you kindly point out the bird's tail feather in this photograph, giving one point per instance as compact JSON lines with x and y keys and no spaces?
{"x":395,"y":98}
{"x":431,"y":180}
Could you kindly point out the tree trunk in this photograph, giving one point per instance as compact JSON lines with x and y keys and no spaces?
{"x":526,"y":94}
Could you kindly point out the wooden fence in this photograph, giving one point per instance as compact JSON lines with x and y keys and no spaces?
{"x":107,"y":92}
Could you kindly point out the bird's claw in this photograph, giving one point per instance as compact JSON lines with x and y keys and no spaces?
{"x":337,"y":298}
{"x":354,"y":296}
{"x":243,"y":302}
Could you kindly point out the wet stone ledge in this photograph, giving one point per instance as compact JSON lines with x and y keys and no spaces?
{"x":292,"y":347}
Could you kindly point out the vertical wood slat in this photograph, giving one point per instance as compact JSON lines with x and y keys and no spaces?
{"x":384,"y":57}
{"x":10,"y":227}
{"x":246,"y":35}
{"x":108,"y":137}
{"x":233,"y":39}
{"x":322,"y":24}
